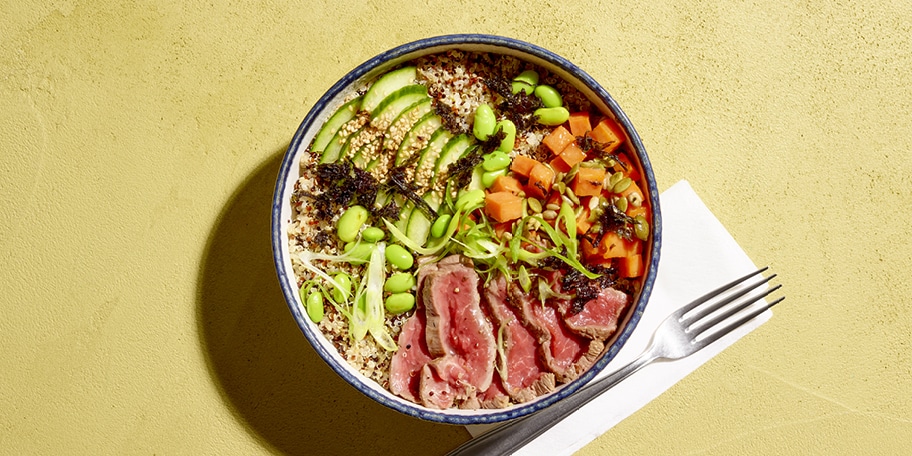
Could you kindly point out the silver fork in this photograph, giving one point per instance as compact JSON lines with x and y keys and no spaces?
{"x":681,"y":334}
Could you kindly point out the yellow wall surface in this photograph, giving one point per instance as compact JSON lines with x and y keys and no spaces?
{"x":139,"y":144}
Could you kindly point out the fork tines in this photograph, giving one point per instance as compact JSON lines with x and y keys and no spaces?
{"x":719,"y":305}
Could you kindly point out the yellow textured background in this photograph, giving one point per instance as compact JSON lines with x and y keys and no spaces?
{"x":139,"y":145}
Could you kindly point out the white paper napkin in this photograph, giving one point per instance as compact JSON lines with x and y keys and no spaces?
{"x":698,"y":255}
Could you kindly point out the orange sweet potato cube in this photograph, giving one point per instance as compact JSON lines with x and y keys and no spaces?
{"x":541,"y":178}
{"x":572,"y":154}
{"x":588,"y":181}
{"x":609,"y":133}
{"x":558,"y":139}
{"x":503,"y":206}
{"x":579,"y":123}
{"x":506,"y":184}
{"x":523,"y":165}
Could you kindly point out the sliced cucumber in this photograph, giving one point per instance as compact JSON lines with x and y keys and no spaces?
{"x":419,"y":226}
{"x":349,"y":147}
{"x":334,"y":149}
{"x":397,"y":102}
{"x":386,"y":85}
{"x":454,"y":150}
{"x":342,"y":115}
{"x":366,"y":154}
{"x":400,"y":126}
{"x":417,"y":137}
{"x":425,"y":167}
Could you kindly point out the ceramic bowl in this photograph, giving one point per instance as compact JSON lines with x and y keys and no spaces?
{"x":333,"y":98}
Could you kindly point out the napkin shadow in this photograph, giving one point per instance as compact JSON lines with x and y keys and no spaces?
{"x":268,"y":375}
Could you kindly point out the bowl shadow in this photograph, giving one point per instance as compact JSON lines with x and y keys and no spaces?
{"x":268,"y":375}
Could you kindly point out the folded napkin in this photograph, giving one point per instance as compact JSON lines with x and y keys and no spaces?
{"x":698,"y":255}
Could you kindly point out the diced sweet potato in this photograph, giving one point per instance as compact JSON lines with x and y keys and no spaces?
{"x":588,"y":181}
{"x":541,"y":178}
{"x":627,"y":167}
{"x":558,"y":139}
{"x":506,"y":184}
{"x":558,"y":164}
{"x":523,"y":165}
{"x":579,"y":123}
{"x":609,"y":133}
{"x":572,"y":154}
{"x":503,"y":206}
{"x":631,"y":266}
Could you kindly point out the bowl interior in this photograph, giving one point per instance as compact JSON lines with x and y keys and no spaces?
{"x":334,"y":97}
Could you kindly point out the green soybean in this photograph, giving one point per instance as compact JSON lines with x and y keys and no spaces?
{"x":519,"y":86}
{"x":495,"y":160}
{"x":372,"y":234}
{"x":488,"y":177}
{"x":399,"y":257}
{"x":440,"y":225}
{"x":484,"y":123}
{"x":552,"y":116}
{"x":350,"y":222}
{"x":470,"y":199}
{"x":359,"y":251}
{"x":314,"y":306}
{"x":549,"y":96}
{"x":399,"y":282}
{"x":509,"y":128}
{"x":398,"y":303}
{"x":529,"y":77}
{"x":345,"y":283}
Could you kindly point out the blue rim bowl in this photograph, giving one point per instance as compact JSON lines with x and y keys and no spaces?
{"x":326,"y":105}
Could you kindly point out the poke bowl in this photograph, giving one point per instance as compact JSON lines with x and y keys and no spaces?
{"x":466,"y":228}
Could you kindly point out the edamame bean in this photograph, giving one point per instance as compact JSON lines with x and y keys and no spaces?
{"x":509,"y":128}
{"x":495,"y":160}
{"x":350,"y":222}
{"x":314,"y":306}
{"x":372,"y":234}
{"x":519,"y":86}
{"x":345,"y":283}
{"x":529,"y":77}
{"x":359,"y":251}
{"x":399,"y":257}
{"x":470,"y":199}
{"x":484,"y":123}
{"x":549,"y":96}
{"x":488,"y":177}
{"x":641,"y":227}
{"x":398,"y":303}
{"x":552,"y":116}
{"x":440,"y":225}
{"x":399,"y":282}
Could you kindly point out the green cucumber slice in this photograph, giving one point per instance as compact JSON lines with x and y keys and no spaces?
{"x":454,"y":150}
{"x":424,"y":168}
{"x":386,"y":85}
{"x":397,"y":102}
{"x":400,"y":127}
{"x":417,"y":137}
{"x":342,"y":115}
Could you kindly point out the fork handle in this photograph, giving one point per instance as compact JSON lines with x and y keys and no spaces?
{"x":510,"y":437}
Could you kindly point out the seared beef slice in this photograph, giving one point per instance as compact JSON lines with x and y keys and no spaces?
{"x":458,"y":335}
